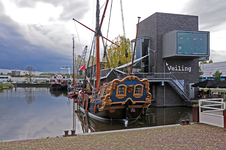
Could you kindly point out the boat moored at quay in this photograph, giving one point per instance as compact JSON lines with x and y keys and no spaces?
{"x":119,"y":99}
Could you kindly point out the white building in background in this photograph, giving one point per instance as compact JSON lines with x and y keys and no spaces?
{"x":65,"y":70}
{"x":4,"y":78}
{"x":209,"y":69}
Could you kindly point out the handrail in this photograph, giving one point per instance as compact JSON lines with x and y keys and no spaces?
{"x":216,"y":101}
{"x":164,"y":76}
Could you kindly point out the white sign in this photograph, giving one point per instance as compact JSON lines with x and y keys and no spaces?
{"x":178,"y":68}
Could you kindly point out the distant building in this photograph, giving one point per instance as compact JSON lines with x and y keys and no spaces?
{"x":60,"y":78}
{"x":65,"y":70}
{"x":209,"y":69}
{"x":15,"y":73}
{"x":4,"y":78}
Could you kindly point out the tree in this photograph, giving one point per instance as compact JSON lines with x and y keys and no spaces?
{"x":30,"y":72}
{"x":203,"y":62}
{"x":217,"y":76}
{"x":211,"y":61}
{"x":47,"y":74}
{"x":116,"y":55}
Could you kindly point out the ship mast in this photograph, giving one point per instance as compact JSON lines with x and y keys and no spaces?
{"x":131,"y":70}
{"x":98,"y":34}
{"x":73,"y":63}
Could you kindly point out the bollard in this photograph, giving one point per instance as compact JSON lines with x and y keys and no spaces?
{"x":72,"y":132}
{"x":187,"y":121}
{"x":182,"y":122}
{"x":65,"y":132}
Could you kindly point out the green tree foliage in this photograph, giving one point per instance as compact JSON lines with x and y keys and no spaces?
{"x":205,"y":62}
{"x":211,"y":61}
{"x":217,"y":76}
{"x":116,"y":55}
{"x":92,"y":61}
{"x":47,"y":74}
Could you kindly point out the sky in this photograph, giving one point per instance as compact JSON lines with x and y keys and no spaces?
{"x":39,"y":33}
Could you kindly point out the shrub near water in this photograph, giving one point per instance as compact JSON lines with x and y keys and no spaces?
{"x":9,"y":85}
{"x":6,"y":85}
{"x":1,"y":85}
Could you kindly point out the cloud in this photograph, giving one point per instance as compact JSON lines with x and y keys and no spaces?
{"x":217,"y":55}
{"x":70,"y":8}
{"x":211,"y":13}
{"x":45,"y":47}
{"x":17,"y":53}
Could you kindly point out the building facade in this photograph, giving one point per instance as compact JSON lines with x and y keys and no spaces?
{"x":174,"y":46}
{"x":4,"y":78}
{"x":210,"y":68}
{"x":15,"y":73}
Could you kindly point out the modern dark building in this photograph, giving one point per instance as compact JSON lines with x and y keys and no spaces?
{"x":174,"y":46}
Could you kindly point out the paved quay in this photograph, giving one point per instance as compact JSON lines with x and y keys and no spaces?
{"x":195,"y":136}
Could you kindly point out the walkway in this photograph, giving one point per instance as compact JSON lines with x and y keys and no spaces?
{"x":195,"y":136}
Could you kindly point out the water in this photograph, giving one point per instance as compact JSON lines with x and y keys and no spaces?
{"x":31,"y":113}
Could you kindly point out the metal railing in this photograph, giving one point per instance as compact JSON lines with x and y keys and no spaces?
{"x":211,"y":111}
{"x":166,"y":77}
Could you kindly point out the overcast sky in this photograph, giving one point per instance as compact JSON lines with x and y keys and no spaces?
{"x":38,"y":33}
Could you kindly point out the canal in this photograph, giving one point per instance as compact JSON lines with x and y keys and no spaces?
{"x":31,"y":113}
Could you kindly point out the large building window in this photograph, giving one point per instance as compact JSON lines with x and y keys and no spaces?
{"x":142,"y":49}
{"x":192,"y":43}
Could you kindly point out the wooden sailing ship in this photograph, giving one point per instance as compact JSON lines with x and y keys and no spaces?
{"x":118,"y":99}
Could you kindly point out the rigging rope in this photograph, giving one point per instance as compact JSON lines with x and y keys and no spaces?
{"x":78,"y":37}
{"x":123,"y":26}
{"x":105,"y":46}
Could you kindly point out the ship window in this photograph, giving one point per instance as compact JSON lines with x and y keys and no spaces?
{"x":121,"y":91}
{"x":138,"y":92}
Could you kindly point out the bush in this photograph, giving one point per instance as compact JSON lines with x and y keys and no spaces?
{"x":9,"y":85}
{"x":195,"y":105}
{"x":6,"y":85}
{"x":1,"y":85}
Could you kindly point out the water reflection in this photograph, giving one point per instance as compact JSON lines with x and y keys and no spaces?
{"x":28,"y":113}
{"x":153,"y":117}
{"x":39,"y":113}
{"x":29,"y":95}
{"x":58,"y":93}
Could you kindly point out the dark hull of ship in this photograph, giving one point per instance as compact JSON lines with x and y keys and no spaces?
{"x":115,"y":114}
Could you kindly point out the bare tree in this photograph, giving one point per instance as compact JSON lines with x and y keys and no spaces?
{"x":30,"y":72}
